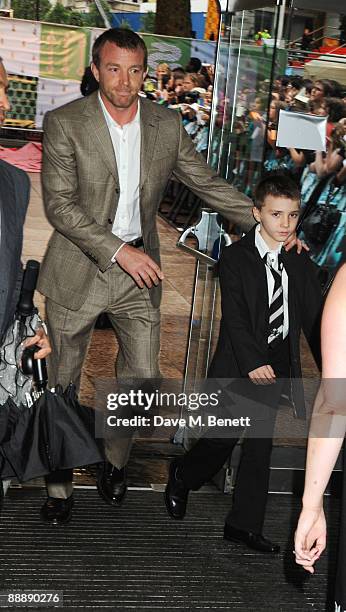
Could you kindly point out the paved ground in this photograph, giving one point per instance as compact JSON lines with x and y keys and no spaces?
{"x":136,"y":558}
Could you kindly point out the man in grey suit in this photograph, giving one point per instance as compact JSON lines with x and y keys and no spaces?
{"x":107,"y":161}
{"x":14,"y":200}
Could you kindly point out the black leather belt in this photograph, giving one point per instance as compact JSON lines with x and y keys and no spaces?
{"x":137,"y":243}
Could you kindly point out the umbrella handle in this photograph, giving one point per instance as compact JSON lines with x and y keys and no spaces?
{"x":37,"y":368}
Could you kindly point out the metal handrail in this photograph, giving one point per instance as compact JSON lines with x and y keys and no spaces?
{"x":332,"y":52}
{"x":317,"y":53}
{"x":313,"y":32}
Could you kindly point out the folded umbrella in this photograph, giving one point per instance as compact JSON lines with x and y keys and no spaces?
{"x":55,"y":433}
{"x":40,"y":430}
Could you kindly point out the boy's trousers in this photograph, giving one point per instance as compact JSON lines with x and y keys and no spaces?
{"x":209,"y":454}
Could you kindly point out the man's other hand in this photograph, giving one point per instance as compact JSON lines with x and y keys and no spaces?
{"x":143,"y":269}
{"x":294,"y":241}
{"x":41,"y":339}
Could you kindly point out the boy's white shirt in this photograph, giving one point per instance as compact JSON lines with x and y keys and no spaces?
{"x":263,"y":249}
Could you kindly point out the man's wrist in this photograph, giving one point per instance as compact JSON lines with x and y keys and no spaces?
{"x":114,"y":258}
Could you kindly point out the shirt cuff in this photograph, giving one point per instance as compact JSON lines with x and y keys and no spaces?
{"x":114,"y":258}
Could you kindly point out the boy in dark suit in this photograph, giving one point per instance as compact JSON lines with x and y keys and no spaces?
{"x":268,"y":295}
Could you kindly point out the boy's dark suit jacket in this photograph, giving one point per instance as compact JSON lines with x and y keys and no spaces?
{"x":242,"y":345}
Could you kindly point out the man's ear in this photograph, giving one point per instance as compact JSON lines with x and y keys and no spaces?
{"x":95,"y":71}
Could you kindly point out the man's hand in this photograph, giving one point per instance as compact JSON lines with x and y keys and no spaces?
{"x":143,"y":269}
{"x":264,"y":375}
{"x":294,"y":241}
{"x":41,"y":339}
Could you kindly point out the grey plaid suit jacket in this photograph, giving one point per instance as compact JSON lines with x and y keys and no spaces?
{"x":81,"y":191}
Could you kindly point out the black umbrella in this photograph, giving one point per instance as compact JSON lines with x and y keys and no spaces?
{"x":55,"y":433}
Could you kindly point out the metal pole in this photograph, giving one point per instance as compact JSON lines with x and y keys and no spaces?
{"x":281,"y":22}
{"x":102,"y":13}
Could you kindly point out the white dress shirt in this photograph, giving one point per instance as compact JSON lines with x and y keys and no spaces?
{"x":263,"y":249}
{"x":126,"y":142}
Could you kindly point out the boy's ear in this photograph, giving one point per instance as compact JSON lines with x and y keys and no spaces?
{"x":256,"y":213}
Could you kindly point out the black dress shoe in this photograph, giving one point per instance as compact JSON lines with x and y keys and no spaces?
{"x":176,"y":493}
{"x":57,"y":511}
{"x":111,"y":484}
{"x":252,"y":540}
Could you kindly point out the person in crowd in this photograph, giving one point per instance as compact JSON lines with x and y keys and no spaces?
{"x":163,"y":76}
{"x":267,"y":297}
{"x":194,"y":65}
{"x":106,"y":165}
{"x":190,"y":88}
{"x":14,"y":200}
{"x":276,"y":157}
{"x":256,"y":134}
{"x":163,"y":70}
{"x":321,"y":89}
{"x":325,"y":164}
{"x":316,"y":107}
{"x":294,"y":87}
{"x":207,"y":75}
{"x":323,"y":187}
{"x":274,"y":110}
{"x":174,"y":94}
{"x":326,"y":437}
{"x":307,"y":40}
{"x":335,"y":110}
{"x":307,"y":85}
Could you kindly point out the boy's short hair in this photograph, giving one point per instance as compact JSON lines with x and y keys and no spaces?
{"x":276,"y":184}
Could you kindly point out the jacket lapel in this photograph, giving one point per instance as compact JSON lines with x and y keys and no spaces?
{"x":97,"y":125}
{"x":289,"y":265}
{"x":255,"y":273}
{"x":149,"y":131}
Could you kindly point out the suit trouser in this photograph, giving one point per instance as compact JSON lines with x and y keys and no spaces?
{"x":137,"y":327}
{"x":209,"y":454}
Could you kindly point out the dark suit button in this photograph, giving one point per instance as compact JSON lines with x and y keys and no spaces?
{"x":110,"y":221}
{"x":117,"y":190}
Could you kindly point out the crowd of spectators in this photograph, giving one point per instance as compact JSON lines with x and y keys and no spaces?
{"x":188,"y":90}
{"x":322,"y":175}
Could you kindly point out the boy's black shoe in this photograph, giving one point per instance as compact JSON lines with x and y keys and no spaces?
{"x":176,"y":493}
{"x":252,"y":540}
{"x":57,"y":511}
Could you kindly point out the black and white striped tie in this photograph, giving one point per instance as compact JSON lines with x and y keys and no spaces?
{"x":276,"y":308}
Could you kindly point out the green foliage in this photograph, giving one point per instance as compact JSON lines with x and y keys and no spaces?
{"x":148,"y":23}
{"x":27,"y":9}
{"x":94,"y":19}
{"x":125,"y":24}
{"x":59,"y":14}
